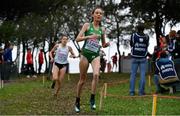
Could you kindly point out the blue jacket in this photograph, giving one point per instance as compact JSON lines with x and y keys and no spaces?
{"x":165,"y":68}
{"x":7,"y":55}
{"x":139,"y":45}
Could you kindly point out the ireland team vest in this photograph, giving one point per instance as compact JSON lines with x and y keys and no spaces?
{"x":140,"y":45}
{"x":91,"y":45}
{"x":61,"y":55}
{"x":166,"y":68}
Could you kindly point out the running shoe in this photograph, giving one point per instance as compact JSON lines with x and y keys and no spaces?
{"x":77,"y":107}
{"x":92,"y":104}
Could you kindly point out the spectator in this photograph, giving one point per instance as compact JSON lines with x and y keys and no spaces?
{"x":1,"y":65}
{"x":139,"y":46}
{"x":30,"y":68}
{"x":114,"y":61}
{"x":7,"y":55}
{"x":1,"y":55}
{"x":123,"y":56}
{"x":163,"y":45}
{"x":8,"y":52}
{"x":109,"y":67}
{"x":41,"y":60}
{"x":128,"y":56}
{"x":102,"y":60}
{"x":176,"y":51}
{"x":172,"y":41}
{"x":165,"y":73}
{"x":158,"y":49}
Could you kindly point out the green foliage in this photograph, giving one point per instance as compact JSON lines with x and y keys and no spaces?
{"x":7,"y":31}
{"x":156,"y":12}
{"x":13,"y":10}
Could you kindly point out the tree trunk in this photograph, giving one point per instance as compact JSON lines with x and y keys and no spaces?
{"x":51,"y":45}
{"x":23,"y":54}
{"x":45,"y":58}
{"x":18,"y":53}
{"x":118,"y":46}
{"x":36,"y":62}
{"x":158,"y":25}
{"x":17,"y":57}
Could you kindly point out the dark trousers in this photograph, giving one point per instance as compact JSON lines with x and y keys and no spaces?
{"x":1,"y":72}
{"x":39,"y":69}
{"x":30,"y":69}
{"x":6,"y":70}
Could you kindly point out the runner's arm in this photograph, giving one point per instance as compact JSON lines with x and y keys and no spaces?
{"x":52,"y":51}
{"x":81,"y":36}
{"x":72,"y":52}
{"x":104,"y":44}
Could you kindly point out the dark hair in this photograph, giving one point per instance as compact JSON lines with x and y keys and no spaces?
{"x":97,"y":7}
{"x":7,"y":44}
{"x":140,"y":27}
{"x":62,"y":35}
{"x":167,"y":38}
{"x":172,"y":33}
{"x":163,"y":54}
{"x":178,"y":32}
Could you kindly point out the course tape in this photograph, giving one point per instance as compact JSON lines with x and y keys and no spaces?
{"x":144,"y":96}
{"x":115,"y":83}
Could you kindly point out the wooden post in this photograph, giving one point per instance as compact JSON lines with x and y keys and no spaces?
{"x":154,"y":108}
{"x":101,"y":97}
{"x":68,"y":77}
{"x":105,"y":90}
{"x":0,"y":83}
{"x":43,"y":80}
{"x":149,"y":78}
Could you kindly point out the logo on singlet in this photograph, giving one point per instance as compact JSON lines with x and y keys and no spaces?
{"x":162,"y":67}
{"x":93,"y":56}
{"x":140,"y":39}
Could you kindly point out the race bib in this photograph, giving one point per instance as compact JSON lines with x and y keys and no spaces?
{"x":62,"y":57}
{"x":92,"y":45}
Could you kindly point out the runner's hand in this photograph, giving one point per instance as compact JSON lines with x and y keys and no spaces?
{"x":73,"y":56}
{"x":52,"y":60}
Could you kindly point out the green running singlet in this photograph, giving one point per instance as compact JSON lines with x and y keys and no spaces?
{"x":91,"y":46}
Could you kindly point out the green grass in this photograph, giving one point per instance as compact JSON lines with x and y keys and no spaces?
{"x":32,"y":97}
